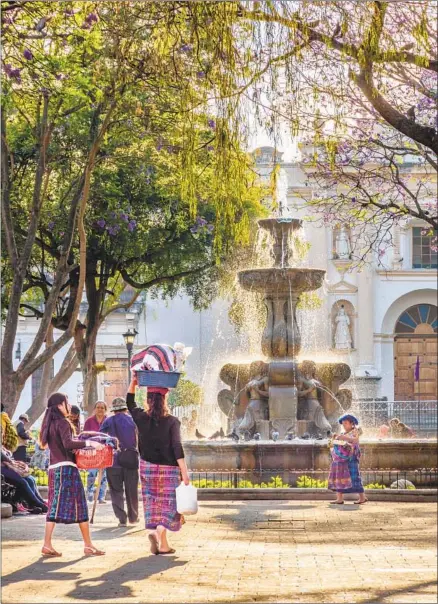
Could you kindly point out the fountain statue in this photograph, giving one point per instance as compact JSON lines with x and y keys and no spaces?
{"x":280,"y":395}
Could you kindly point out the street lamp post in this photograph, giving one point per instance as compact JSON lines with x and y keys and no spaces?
{"x":129,"y":338}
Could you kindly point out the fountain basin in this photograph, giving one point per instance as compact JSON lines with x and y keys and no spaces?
{"x":301,"y":455}
{"x":281,"y":280}
{"x":277,"y":225}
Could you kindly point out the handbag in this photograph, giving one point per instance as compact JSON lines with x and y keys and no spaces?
{"x":126,"y":458}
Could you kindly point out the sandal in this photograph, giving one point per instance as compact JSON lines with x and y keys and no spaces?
{"x":154,"y":544}
{"x":93,"y":551}
{"x":336,"y":502}
{"x":48,"y":552}
{"x":361,"y":502}
{"x":170,"y":551}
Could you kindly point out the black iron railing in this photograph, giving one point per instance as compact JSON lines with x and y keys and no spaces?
{"x":284,"y":479}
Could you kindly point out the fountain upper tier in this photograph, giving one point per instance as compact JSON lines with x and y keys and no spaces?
{"x":280,"y":229}
{"x":288,"y":281}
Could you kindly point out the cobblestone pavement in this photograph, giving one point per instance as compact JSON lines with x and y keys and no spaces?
{"x":247,"y":551}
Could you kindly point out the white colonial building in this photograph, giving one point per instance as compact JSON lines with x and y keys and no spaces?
{"x":390,"y":305}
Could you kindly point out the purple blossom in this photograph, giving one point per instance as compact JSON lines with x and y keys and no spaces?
{"x":113,"y":230}
{"x":51,"y":226}
{"x":60,"y":76}
{"x":124,"y":217}
{"x":113,"y":215}
{"x":210,"y":228}
{"x":211,"y":124}
{"x":101,"y":223}
{"x":200,"y":75}
{"x":15,"y":73}
{"x":27,"y":54}
{"x":7,"y":69}
{"x":210,"y":148}
{"x":159,"y":146}
{"x":185,"y":48}
{"x":131,"y":225}
{"x":201,"y":221}
{"x":92,"y":17}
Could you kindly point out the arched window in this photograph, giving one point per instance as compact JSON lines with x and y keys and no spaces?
{"x":421,"y":318}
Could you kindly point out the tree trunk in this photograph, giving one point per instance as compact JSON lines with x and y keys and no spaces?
{"x":50,"y":385}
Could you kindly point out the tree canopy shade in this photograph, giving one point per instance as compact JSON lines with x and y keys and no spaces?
{"x":116,"y":169}
{"x":357,"y":82}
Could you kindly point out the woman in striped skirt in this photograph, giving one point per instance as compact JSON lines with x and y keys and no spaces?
{"x":67,"y":503}
{"x":162,"y":465}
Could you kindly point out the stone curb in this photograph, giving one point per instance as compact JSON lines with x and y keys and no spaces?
{"x":401,"y":495}
{"x":395,"y":495}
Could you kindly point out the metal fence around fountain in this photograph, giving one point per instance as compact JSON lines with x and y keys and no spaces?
{"x":426,"y":478}
{"x":283,"y":479}
{"x":421,"y":416}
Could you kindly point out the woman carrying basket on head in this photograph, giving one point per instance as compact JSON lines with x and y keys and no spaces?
{"x":162,"y":465}
{"x":67,"y":503}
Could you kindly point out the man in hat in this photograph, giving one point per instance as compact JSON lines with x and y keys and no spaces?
{"x":123,"y":475}
{"x":23,"y":438}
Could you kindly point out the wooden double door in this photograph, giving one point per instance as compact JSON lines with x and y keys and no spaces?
{"x":406,"y":351}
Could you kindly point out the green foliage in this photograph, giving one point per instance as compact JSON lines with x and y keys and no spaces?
{"x":275,"y":482}
{"x":307,"y":482}
{"x":374,"y":485}
{"x":185,"y":394}
{"x":309,"y":301}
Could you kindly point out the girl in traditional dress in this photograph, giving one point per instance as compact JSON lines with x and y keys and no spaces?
{"x":344,"y":471}
{"x":162,"y":465}
{"x":67,"y":503}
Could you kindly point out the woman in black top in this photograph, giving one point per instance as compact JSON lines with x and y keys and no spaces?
{"x":162,"y":465}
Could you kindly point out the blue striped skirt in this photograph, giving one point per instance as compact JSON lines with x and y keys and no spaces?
{"x":67,"y":502}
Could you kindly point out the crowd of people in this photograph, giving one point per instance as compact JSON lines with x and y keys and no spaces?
{"x":149,"y":452}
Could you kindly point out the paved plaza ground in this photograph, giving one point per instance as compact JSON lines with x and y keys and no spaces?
{"x":247,"y":551}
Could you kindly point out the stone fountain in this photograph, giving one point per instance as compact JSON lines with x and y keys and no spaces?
{"x":280,"y":395}
{"x":272,"y":402}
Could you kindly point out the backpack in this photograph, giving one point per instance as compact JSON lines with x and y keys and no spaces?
{"x":9,"y":434}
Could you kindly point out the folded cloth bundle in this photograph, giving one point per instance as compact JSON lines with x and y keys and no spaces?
{"x":160,"y":357}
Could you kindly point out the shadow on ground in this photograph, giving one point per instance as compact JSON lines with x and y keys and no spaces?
{"x":108,"y":586}
{"x":111,"y":585}
{"x":368,"y":596}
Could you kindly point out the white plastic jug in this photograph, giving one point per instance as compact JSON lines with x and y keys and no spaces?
{"x":186,"y":499}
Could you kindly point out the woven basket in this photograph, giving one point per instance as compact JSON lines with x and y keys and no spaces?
{"x":93,"y":459}
{"x":159,"y":379}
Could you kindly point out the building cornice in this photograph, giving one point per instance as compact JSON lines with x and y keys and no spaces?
{"x":410,"y":275}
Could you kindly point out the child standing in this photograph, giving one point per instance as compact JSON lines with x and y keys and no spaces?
{"x":344,"y":471}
